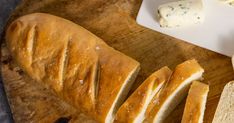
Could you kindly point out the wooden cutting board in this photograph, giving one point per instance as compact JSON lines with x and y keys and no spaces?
{"x":114,"y":22}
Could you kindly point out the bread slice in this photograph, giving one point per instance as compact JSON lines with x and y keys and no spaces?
{"x":133,"y":109}
{"x":80,"y":67}
{"x":174,"y":90}
{"x":225,"y":110}
{"x":195,"y":103}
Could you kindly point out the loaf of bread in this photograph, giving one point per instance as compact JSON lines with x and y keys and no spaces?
{"x":133,"y":109}
{"x":174,"y":91}
{"x":78,"y":66}
{"x":225,"y":110}
{"x":195,"y":103}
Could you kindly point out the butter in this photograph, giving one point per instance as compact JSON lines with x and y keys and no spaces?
{"x":181,"y":13}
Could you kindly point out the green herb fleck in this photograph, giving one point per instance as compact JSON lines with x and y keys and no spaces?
{"x":172,"y":8}
{"x":185,"y":12}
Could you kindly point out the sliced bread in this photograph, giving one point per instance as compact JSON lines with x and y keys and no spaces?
{"x":174,"y":90}
{"x":195,"y":103}
{"x":133,"y":109}
{"x":225,"y":110}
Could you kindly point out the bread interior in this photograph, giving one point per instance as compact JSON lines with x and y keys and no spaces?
{"x":175,"y":98}
{"x":122,"y":95}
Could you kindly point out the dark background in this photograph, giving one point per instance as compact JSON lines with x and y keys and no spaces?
{"x":6,"y":6}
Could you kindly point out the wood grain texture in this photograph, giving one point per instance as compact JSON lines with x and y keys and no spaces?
{"x":114,"y":22}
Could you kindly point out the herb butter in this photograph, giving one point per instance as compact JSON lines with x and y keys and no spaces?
{"x":181,"y":13}
{"x":227,"y":1}
{"x":231,"y":3}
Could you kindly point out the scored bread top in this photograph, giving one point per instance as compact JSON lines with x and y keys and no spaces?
{"x":195,"y":103}
{"x":134,"y":106}
{"x":173,"y":91}
{"x":80,"y":67}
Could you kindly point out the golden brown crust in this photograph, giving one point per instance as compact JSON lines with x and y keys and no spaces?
{"x":133,"y":106}
{"x":182,"y":72}
{"x":195,"y":100}
{"x":70,"y":60}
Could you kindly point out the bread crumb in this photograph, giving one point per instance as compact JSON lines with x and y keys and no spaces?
{"x":202,"y":78}
{"x":97,"y":48}
{"x":128,"y":109}
{"x":119,"y":78}
{"x":156,"y":101}
{"x":81,"y":82}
